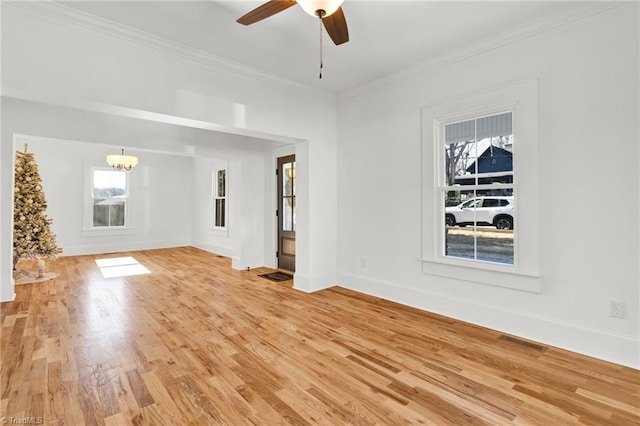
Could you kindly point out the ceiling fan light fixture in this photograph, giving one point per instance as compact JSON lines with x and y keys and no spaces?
{"x":328,"y":6}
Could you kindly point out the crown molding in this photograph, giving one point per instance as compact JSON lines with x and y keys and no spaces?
{"x":535,"y":28}
{"x":55,"y":12}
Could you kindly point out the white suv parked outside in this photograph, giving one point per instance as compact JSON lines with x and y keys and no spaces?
{"x":495,"y":211}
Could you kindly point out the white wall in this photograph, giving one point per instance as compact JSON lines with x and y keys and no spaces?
{"x":244,"y":239}
{"x":589,"y":206}
{"x":203,"y":234}
{"x":159,"y":205}
{"x":56,"y":60}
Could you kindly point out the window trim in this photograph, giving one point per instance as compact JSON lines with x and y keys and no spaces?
{"x":215,"y":196}
{"x":521,"y":99}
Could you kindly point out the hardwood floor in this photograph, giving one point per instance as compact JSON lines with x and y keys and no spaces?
{"x":196,"y":342}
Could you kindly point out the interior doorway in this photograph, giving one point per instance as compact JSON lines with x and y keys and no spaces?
{"x":286,"y":213}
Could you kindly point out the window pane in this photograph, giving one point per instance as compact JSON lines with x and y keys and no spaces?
{"x":100,"y":213}
{"x":109,"y":183}
{"x":222,"y":183}
{"x":459,"y":238}
{"x":459,"y":161}
{"x":495,"y":245}
{"x":481,"y":227}
{"x":480,"y":151}
{"x":108,"y":212}
{"x":220,"y":219}
{"x":494,"y":126}
{"x":480,"y":128}
{"x":460,"y":242}
{"x":116,"y":213}
{"x":460,"y":207}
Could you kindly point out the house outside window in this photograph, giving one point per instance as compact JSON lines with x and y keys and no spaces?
{"x":477,"y":189}
{"x":110,"y":194}
{"x":220,"y":199}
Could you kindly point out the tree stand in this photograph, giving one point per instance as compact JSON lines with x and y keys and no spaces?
{"x":34,"y":274}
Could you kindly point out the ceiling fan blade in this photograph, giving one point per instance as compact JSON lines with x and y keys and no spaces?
{"x":336,"y":26}
{"x":270,"y":8}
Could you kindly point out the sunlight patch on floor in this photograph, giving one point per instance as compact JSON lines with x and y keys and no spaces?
{"x":120,"y":267}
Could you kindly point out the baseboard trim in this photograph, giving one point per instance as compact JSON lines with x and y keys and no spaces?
{"x":311,"y":284}
{"x":236,"y":263}
{"x":121,"y":246}
{"x":10,"y":299}
{"x":213,"y":248}
{"x":618,"y":349}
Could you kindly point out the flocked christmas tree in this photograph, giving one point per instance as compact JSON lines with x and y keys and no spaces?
{"x":32,"y":236}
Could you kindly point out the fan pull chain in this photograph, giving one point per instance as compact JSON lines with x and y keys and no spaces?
{"x":320,"y":48}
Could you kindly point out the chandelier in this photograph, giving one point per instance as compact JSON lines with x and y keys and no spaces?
{"x":121,"y":161}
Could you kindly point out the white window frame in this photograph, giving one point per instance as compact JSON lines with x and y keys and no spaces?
{"x":216,"y":196}
{"x":88,"y":230}
{"x":444,"y":188}
{"x":520,"y":99}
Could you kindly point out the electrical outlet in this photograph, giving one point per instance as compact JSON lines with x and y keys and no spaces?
{"x":363,"y":262}
{"x":618,"y":309}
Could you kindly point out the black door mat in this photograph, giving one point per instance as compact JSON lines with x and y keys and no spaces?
{"x":277,"y":276}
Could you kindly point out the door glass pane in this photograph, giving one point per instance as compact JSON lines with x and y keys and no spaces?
{"x":288,"y":179}
{"x":288,"y":216}
{"x":289,"y":196}
{"x":293,"y":178}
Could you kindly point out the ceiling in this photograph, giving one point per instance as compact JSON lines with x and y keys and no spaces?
{"x":386,"y":37}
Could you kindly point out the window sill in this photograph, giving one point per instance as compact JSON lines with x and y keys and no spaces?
{"x":483,"y":273}
{"x":219,"y":232}
{"x":106,"y":231}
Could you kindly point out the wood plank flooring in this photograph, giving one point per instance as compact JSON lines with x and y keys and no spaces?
{"x":198,"y":343}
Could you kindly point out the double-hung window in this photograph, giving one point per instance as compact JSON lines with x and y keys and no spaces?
{"x":110,"y":195}
{"x":480,"y":187}
{"x":220,"y":199}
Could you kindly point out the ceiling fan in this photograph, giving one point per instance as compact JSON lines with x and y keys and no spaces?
{"x":328,"y":11}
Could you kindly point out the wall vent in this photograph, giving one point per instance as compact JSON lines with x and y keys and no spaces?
{"x":524,"y":343}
